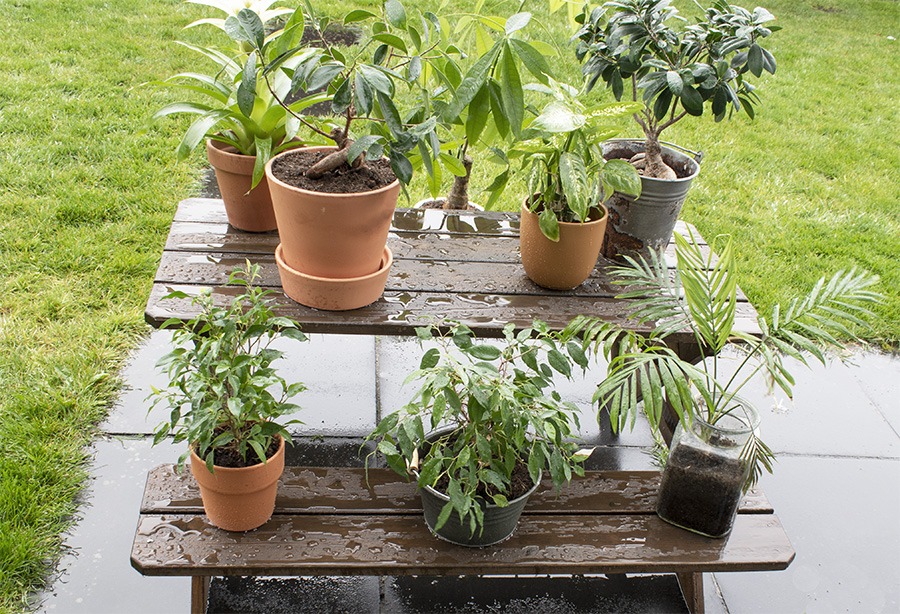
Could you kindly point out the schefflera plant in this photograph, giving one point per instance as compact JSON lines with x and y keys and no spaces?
{"x":501,"y":409}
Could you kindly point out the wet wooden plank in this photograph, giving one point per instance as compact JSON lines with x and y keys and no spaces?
{"x":399,"y":312}
{"x":328,"y":490}
{"x":402,"y":545}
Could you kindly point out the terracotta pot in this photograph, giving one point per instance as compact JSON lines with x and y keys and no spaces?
{"x":332,"y":235}
{"x":564,"y":264}
{"x":334,"y":294}
{"x":239,"y":499}
{"x":249,"y":210}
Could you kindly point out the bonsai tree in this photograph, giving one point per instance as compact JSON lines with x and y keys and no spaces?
{"x":702,"y":299}
{"x":362,"y":84}
{"x":239,"y":108}
{"x":503,"y":419}
{"x":560,"y":150}
{"x":224,"y":396}
{"x":634,"y":47}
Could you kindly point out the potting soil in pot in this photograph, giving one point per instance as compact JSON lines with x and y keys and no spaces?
{"x":700,"y":490}
{"x":343,"y":180}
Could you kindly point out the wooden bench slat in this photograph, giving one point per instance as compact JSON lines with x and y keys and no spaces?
{"x":326,"y":490}
{"x":402,"y":545}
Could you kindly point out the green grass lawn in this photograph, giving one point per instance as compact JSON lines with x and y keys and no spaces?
{"x":88,"y":189}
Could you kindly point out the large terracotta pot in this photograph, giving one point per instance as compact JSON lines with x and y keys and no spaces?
{"x":239,"y":499}
{"x":563,"y":264}
{"x":332,"y":235}
{"x":247,"y":209}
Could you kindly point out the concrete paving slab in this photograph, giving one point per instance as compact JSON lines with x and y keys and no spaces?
{"x":94,"y":576}
{"x":314,"y":595}
{"x":878,"y":375}
{"x":337,"y":370}
{"x":831,"y":413}
{"x":843,"y":518}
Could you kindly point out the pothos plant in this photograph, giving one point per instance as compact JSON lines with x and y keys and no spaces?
{"x":701,"y":298}
{"x":362,"y":83}
{"x":238,"y":107}
{"x":636,"y":49}
{"x":502,"y":410}
{"x":224,"y":396}
{"x":560,"y":151}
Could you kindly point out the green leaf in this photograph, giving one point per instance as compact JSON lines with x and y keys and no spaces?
{"x":361,"y":145}
{"x":453,"y":164}
{"x":391,"y":39}
{"x":549,"y":224}
{"x":511,"y":93}
{"x":246,"y":26}
{"x":692,"y":101}
{"x":575,"y":184}
{"x":390,"y":114}
{"x":559,"y":362}
{"x":356,"y":15}
{"x":755,"y":60}
{"x":430,"y":359}
{"x":263,"y":153}
{"x":533,"y":60}
{"x":621,"y":176}
{"x":484,"y":352}
{"x":341,"y":100}
{"x":558,"y":118}
{"x":517,"y":22}
{"x":472,"y":83}
{"x":377,"y":79}
{"x":395,"y":13}
{"x":246,"y":93}
{"x":479,"y":110}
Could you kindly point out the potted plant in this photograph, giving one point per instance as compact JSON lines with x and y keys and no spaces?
{"x":488,"y":100}
{"x":239,"y":116}
{"x":224,"y":398}
{"x":638,"y":51}
{"x":716,"y":452}
{"x":334,"y":205}
{"x":482,"y":427}
{"x":563,"y":218}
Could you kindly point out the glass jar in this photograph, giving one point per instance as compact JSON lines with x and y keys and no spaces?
{"x":704,"y":477}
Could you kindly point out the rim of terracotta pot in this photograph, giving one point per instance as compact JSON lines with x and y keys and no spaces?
{"x":273,"y":178}
{"x":235,"y":470}
{"x":599,"y":206}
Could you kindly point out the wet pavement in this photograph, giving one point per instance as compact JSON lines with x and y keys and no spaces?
{"x":836,"y":490}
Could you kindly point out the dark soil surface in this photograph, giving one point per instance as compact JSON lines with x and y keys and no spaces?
{"x":701,"y":491}
{"x":229,"y":457}
{"x":370,"y":176}
{"x":519,"y":484}
{"x":626,"y":151}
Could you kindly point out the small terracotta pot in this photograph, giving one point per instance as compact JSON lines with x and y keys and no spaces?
{"x":239,"y":499}
{"x":336,"y":294}
{"x":332,"y":235}
{"x":249,"y":210}
{"x":564,"y":264}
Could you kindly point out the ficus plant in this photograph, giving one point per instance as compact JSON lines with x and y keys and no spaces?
{"x":362,"y":83}
{"x":237,"y":106}
{"x":224,"y":397}
{"x":701,"y":298}
{"x":638,"y":49}
{"x":502,"y":412}
{"x":561,"y":154}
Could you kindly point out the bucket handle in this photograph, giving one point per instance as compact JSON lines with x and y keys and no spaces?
{"x":696,"y":155}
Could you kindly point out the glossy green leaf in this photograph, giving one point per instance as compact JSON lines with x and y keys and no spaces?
{"x":472,"y":83}
{"x":246,"y":93}
{"x":357,"y":15}
{"x":395,"y":13}
{"x":549,"y":224}
{"x":478,"y":113}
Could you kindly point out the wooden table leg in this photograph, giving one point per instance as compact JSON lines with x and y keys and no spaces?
{"x":199,"y":594}
{"x":692,"y":589}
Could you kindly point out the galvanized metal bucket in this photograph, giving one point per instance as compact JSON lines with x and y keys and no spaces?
{"x":637,"y":226}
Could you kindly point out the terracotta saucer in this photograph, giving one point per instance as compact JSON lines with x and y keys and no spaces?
{"x":334,"y":294}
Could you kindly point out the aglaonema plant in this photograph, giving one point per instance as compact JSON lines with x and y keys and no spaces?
{"x":502,"y":412}
{"x":236,"y":105}
{"x":701,"y":299}
{"x":638,"y":51}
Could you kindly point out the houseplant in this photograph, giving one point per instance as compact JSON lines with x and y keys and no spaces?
{"x":334,"y":205}
{"x":482,"y":427}
{"x":239,"y":115}
{"x":638,"y":51}
{"x":716,"y":452}
{"x":563,"y":220}
{"x":222,"y":402}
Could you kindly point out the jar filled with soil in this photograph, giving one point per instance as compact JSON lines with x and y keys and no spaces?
{"x":705,"y":475}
